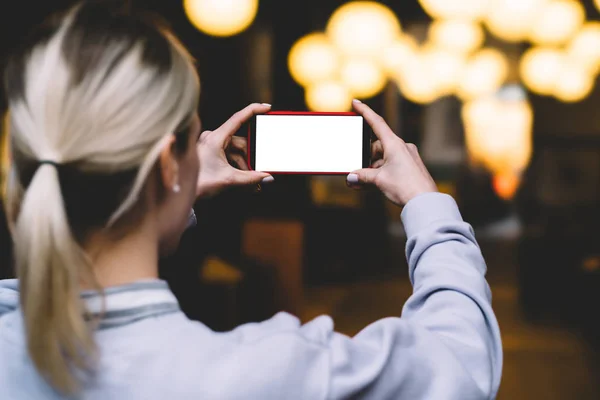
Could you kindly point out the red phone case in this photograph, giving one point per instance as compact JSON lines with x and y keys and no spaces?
{"x":298,"y":113}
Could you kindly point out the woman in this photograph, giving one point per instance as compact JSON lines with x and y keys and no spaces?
{"x":108,"y":160}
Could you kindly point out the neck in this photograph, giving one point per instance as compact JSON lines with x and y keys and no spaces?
{"x":126,"y":260}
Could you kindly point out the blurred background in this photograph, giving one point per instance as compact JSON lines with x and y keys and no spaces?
{"x":500,"y":96}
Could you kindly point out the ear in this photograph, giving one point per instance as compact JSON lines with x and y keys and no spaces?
{"x":169,"y":167}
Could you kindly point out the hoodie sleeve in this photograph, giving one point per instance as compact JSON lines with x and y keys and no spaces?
{"x":9,"y":295}
{"x":447,"y":343}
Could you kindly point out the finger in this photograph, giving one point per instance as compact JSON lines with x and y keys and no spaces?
{"x":242,"y":178}
{"x":231,"y":126}
{"x":376,"y":150}
{"x":240,"y":144}
{"x":375,"y":121}
{"x":375,"y":161}
{"x":378,"y":164}
{"x":238,"y":160}
{"x":362,"y":176}
{"x":414,"y":153}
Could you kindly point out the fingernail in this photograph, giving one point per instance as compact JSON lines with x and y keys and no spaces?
{"x":266,"y":104}
{"x":357,"y":101}
{"x":352,"y":178}
{"x":268,"y":179}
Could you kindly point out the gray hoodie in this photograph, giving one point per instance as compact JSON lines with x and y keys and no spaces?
{"x":445,"y":345}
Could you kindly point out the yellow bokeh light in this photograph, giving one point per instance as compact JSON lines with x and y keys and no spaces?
{"x":395,"y":56}
{"x":597,"y":3}
{"x":362,"y":77}
{"x":312,"y":59}
{"x":511,"y":20}
{"x":444,"y":67}
{"x":540,"y":68}
{"x":456,"y":35}
{"x":328,"y":96}
{"x":574,"y":83}
{"x":419,"y":91}
{"x":416,"y":82}
{"x":221,"y":18}
{"x":455,"y":9}
{"x":478,"y":117}
{"x":363,"y":28}
{"x":557,"y":22}
{"x":498,"y":131}
{"x":484,"y":74}
{"x":585,"y":47}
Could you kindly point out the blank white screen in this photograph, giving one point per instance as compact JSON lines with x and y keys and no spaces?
{"x":309,"y":143}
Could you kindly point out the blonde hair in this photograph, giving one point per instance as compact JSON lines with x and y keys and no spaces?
{"x":98,"y":91}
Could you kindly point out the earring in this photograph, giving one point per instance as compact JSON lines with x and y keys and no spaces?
{"x":176,"y":188}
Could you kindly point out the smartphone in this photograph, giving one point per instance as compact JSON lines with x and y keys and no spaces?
{"x":310,"y":143}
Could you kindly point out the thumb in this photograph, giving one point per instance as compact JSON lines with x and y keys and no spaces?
{"x":240,"y":177}
{"x":362,"y":176}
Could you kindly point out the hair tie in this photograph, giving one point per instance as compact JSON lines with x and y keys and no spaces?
{"x":48,"y":162}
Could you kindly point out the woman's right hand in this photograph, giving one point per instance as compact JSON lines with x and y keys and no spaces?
{"x":397,"y":169}
{"x":219,"y":150}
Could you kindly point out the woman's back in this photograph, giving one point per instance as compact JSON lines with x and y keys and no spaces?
{"x":445,"y":346}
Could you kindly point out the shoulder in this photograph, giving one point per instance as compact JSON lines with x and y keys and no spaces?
{"x":313,"y":333}
{"x":277,"y":358}
{"x":283,"y":331}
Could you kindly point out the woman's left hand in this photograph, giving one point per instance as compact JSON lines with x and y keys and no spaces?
{"x":219,"y":149}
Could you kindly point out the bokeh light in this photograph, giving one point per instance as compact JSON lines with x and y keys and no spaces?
{"x":506,"y":185}
{"x":585,"y":47}
{"x":364,"y":78}
{"x":498,"y":131}
{"x":416,"y":83}
{"x":328,"y":96}
{"x":511,"y":20}
{"x":363,"y":28}
{"x":444,"y":67}
{"x":484,"y":74}
{"x":540,"y":68}
{"x":313,"y":59}
{"x":574,"y":83}
{"x":364,"y":46}
{"x":456,"y":35}
{"x":421,"y":91}
{"x":221,"y":18}
{"x":455,"y":9}
{"x":396,"y":55}
{"x":478,"y":115}
{"x":557,"y":22}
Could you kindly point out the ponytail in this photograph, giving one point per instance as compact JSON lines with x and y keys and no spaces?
{"x":104,"y":115}
{"x":49,"y":265}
